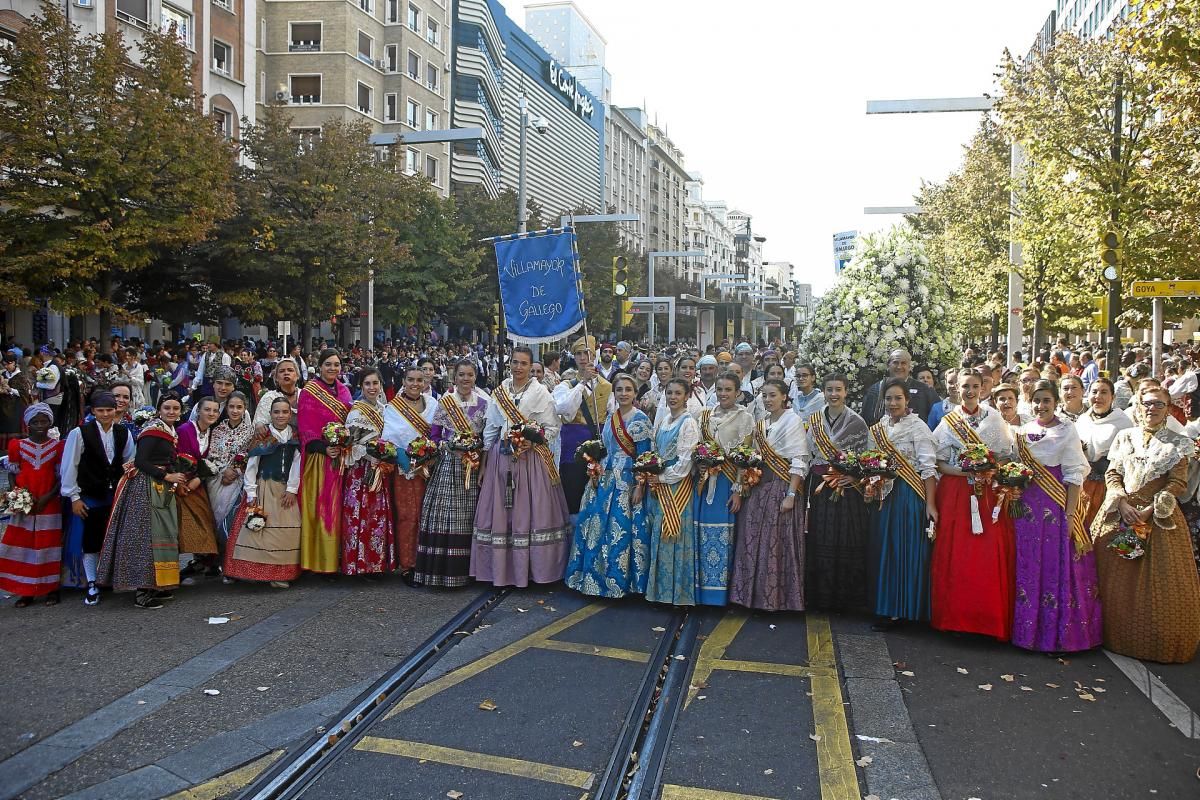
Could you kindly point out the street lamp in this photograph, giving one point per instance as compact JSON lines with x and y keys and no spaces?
{"x":650,"y":283}
{"x":541,"y":125}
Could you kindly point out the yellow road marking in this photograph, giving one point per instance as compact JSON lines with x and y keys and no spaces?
{"x":492,"y":659}
{"x":463,"y":758}
{"x":229,"y":782}
{"x":835,"y":761}
{"x":713,"y":650}
{"x":594,"y":650}
{"x":771,"y":668}
{"x":672,"y":792}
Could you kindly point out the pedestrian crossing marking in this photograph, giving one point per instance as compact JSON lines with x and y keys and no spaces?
{"x":518,"y":768}
{"x":229,"y":782}
{"x":713,"y":650}
{"x":600,"y":651}
{"x":671,"y":791}
{"x":835,"y":760}
{"x":772,"y":668}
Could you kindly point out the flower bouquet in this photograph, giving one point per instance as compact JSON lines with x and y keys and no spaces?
{"x":256,"y":518}
{"x":749,"y":461}
{"x":420,"y":452}
{"x":1011,"y":480}
{"x":1131,"y":540}
{"x":238,"y":462}
{"x":335,"y":434}
{"x":468,"y":446}
{"x":593,"y":452}
{"x":17,"y":501}
{"x":646,"y":465}
{"x":142,"y":416}
{"x":709,"y":459}
{"x":980,"y":464}
{"x":45,"y":375}
{"x":877,"y":468}
{"x":523,"y":437}
{"x":844,"y":470}
{"x":384,"y":453}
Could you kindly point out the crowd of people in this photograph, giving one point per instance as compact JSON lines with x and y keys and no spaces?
{"x":1031,"y":501}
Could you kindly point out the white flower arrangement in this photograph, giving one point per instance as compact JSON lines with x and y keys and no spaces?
{"x":17,"y":501}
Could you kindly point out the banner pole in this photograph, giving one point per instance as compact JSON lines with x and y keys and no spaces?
{"x":583,"y":313}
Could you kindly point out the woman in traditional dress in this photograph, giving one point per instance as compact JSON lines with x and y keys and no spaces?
{"x":900,"y":545}
{"x":197,"y":529}
{"x":719,"y":496}
{"x":1070,"y":388}
{"x":272,"y":484}
{"x":323,"y":400}
{"x":521,"y":523}
{"x":653,"y":398}
{"x":1057,"y":604}
{"x":368,"y":535}
{"x":973,"y":557}
{"x":1004,"y":400}
{"x":643,"y":374}
{"x":610,"y":552}
{"x":230,"y":438}
{"x":1097,"y":428}
{"x":774,"y":372}
{"x":133,"y":372}
{"x":838,"y":527}
{"x":768,"y":550}
{"x":1151,"y":603}
{"x":673,"y":572}
{"x":141,"y":546}
{"x":31,"y":545}
{"x":448,"y":511}
{"x":429,"y":372}
{"x":409,"y":415}
{"x":286,"y":378}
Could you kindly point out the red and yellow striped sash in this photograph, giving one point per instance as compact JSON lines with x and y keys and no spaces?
{"x":411,"y":415}
{"x":457,"y":415}
{"x":515,"y":418}
{"x":1057,"y":492}
{"x":821,"y":436}
{"x":775,"y":462}
{"x":622,"y":435}
{"x":903,"y":467}
{"x":369,"y":411}
{"x":316,"y":390}
{"x":674,"y":501}
{"x":727,"y":469}
{"x":963,"y":430}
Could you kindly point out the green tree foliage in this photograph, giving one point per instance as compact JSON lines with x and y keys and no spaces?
{"x":106,"y":164}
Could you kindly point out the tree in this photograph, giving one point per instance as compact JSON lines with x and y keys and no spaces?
{"x":106,"y":163}
{"x":886,"y":298}
{"x":599,"y":243}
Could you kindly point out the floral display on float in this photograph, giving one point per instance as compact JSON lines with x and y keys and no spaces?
{"x":886,"y":298}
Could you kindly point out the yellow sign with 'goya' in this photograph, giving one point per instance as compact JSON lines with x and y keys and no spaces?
{"x":1166,"y":288}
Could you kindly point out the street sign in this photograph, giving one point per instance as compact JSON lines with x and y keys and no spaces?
{"x":1166,"y":288}
{"x":645,"y":308}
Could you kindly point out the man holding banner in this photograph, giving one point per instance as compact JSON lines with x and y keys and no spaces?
{"x":581,"y":401}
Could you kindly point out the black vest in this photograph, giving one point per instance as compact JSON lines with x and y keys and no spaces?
{"x":97,"y":477}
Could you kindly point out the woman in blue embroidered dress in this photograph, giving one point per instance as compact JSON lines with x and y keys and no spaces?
{"x":610,"y":552}
{"x":673,"y":568}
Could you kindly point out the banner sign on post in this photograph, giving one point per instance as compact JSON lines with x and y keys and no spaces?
{"x":539,"y":285}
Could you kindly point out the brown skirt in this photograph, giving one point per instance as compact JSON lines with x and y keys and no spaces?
{"x":1092,"y":500}
{"x":407,"y":496}
{"x":197,"y":531}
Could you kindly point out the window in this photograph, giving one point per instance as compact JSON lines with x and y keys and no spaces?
{"x":306,"y":138}
{"x":366,"y":5}
{"x":393,"y":13}
{"x":84,"y":3}
{"x":134,"y":11}
{"x":431,"y":169}
{"x":412,"y":114}
{"x":414,"y":18}
{"x":222,"y":55}
{"x":183,"y":23}
{"x":431,"y":120}
{"x":390,"y":108}
{"x":391,"y":58}
{"x":306,"y":89}
{"x":221,"y":4}
{"x":414,"y":66}
{"x":433,"y":33}
{"x":224,"y":123}
{"x":366,"y":48}
{"x":412,"y":160}
{"x":305,"y":37}
{"x":431,"y":76}
{"x":365,"y":104}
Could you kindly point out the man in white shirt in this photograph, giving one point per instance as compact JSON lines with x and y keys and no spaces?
{"x":93,"y":461}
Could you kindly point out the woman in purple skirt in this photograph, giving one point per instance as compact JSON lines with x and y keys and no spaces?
{"x":1057,"y":598}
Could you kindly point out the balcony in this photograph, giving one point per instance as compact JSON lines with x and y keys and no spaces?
{"x":305,"y":46}
{"x":306,"y":99}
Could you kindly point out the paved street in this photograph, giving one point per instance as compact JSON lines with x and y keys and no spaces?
{"x":111,"y":702}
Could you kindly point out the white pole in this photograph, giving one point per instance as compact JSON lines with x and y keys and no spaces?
{"x":1157,"y":345}
{"x":650,"y":293}
{"x":1016,"y":286}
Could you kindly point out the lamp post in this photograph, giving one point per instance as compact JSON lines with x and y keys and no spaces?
{"x":650,"y":283}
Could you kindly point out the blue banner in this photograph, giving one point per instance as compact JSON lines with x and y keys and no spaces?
{"x":539,"y":285}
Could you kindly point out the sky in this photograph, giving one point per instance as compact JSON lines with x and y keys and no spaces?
{"x":767,"y":99}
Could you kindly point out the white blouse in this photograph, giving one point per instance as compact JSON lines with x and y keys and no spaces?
{"x":1058,"y":446}
{"x":912,"y":437}
{"x":788,"y":437}
{"x":989,"y":426}
{"x":1097,"y":433}
{"x":685,"y":444}
{"x":250,"y":478}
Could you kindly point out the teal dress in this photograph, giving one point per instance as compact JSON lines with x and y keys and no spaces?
{"x":610,"y":552}
{"x":674,"y":570}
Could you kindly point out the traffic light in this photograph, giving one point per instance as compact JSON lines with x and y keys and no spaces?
{"x":626,"y":313}
{"x":1100,"y":316}
{"x":620,"y":276}
{"x":339,"y":306}
{"x":495,"y":319}
{"x":1112,"y":251}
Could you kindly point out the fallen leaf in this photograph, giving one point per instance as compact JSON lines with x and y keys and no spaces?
{"x":1099,"y":680}
{"x":987,"y":687}
{"x":962,"y":671}
{"x":1009,"y":678}
{"x":1091,"y":698}
{"x":141,"y":702}
{"x":658,"y":629}
{"x":1064,"y":661}
{"x":550,"y":608}
{"x":816,"y":737}
{"x":768,"y":772}
{"x":862,"y":762}
{"x":899,"y":665}
{"x":454,"y":794}
{"x":217,"y":620}
{"x":488,"y":705}
{"x":908,"y":673}
{"x":1026,"y":689}
{"x":522,"y":610}
{"x":1052,"y":685}
{"x":871,"y":797}
{"x":772,"y":627}
{"x":1099,"y":689}
{"x":576,"y":743}
{"x":701,"y":697}
{"x":263,"y":688}
{"x":875,"y":739}
{"x":212,"y":692}
{"x":681,"y":658}
{"x":541,"y":602}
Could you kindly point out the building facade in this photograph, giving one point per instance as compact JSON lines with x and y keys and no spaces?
{"x":706,"y":229}
{"x":496,"y":63}
{"x":1091,"y":18}
{"x":626,"y":181}
{"x":386,"y":62}
{"x":666,"y":194}
{"x":568,"y":35}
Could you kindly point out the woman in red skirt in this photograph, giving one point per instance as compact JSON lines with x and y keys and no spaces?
{"x":31,"y":547}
